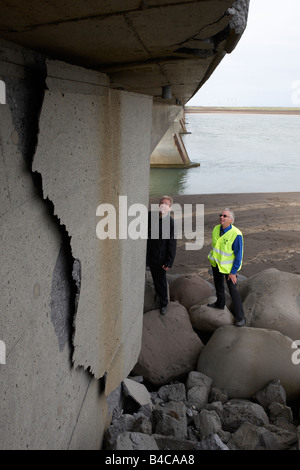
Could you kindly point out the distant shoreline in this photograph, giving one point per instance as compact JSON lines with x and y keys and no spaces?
{"x":241,"y":110}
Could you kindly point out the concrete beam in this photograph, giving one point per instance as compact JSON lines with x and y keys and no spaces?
{"x":141,"y":46}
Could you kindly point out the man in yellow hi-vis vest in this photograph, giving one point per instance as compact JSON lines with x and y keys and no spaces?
{"x":226,"y":259}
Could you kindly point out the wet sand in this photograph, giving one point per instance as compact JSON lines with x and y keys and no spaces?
{"x":270,"y":226}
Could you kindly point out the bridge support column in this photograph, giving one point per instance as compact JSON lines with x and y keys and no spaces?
{"x":171,"y":151}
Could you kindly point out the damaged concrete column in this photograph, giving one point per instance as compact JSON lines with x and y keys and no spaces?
{"x":100,"y":150}
{"x":45,"y":402}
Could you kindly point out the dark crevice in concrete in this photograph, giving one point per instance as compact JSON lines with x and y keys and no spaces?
{"x":102,"y":383}
{"x":65,"y":292}
{"x":66,"y":281}
{"x":25,"y":98}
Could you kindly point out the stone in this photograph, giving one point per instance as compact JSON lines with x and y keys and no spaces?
{"x":170,"y":347}
{"x":172,"y":392}
{"x":196,"y":378}
{"x":281,"y":416}
{"x":207,"y":423}
{"x":142,"y":424}
{"x":171,"y":420}
{"x":205,"y":318}
{"x":134,"y":441}
{"x":197,"y":397}
{"x":216,"y":406}
{"x":217,"y":395}
{"x":198,"y":387}
{"x":172,"y":443}
{"x":137,"y":391}
{"x":271,"y":299}
{"x":189,"y":290}
{"x":212,"y":442}
{"x":236,"y":411}
{"x":284,"y":437}
{"x":123,"y":423}
{"x":252,"y":437}
{"x":245,"y":360}
{"x":277,"y":410}
{"x":273,"y":392}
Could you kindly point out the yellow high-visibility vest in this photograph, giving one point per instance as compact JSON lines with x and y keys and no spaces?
{"x":222,"y":254}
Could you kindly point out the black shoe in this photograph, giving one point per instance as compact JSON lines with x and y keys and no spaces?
{"x":163,"y":310}
{"x":215,"y":305}
{"x":240,"y":323}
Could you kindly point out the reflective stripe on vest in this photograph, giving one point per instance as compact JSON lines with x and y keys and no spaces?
{"x":222,"y":254}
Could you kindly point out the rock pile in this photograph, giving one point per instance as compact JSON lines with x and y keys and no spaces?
{"x":195,"y":415}
{"x":207,"y":384}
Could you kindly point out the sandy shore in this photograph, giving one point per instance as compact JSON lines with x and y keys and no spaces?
{"x":270,"y":225}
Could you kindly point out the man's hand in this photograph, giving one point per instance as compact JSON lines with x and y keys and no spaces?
{"x":232,"y":277}
{"x":166,"y":268}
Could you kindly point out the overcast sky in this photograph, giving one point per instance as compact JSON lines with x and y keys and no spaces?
{"x":264,"y":68}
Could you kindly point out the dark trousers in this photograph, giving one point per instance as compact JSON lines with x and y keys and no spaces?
{"x":160,"y":283}
{"x":234,"y":293}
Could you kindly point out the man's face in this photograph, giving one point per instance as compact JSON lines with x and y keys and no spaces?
{"x":164,"y":206}
{"x":225,"y":219}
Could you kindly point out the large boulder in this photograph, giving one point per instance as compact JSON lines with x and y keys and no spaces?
{"x":205,"y":318}
{"x":189,"y":290}
{"x":170,"y":347}
{"x":271,"y":299}
{"x":244,"y":360}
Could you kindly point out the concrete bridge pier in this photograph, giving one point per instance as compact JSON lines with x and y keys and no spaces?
{"x":171,"y":151}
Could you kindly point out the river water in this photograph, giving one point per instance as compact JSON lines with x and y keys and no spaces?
{"x":238,"y":153}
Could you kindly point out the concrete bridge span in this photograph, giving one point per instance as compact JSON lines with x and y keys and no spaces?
{"x":90,"y":90}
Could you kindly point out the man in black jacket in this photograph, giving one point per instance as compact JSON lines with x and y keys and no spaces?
{"x":161,"y":248}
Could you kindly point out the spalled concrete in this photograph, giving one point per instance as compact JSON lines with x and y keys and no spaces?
{"x":45,"y":402}
{"x":103,"y":134}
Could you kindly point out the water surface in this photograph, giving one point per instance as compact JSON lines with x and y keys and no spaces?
{"x":238,"y":153}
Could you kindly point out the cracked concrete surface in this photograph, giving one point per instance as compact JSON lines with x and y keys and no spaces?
{"x":45,"y":401}
{"x":94,"y":151}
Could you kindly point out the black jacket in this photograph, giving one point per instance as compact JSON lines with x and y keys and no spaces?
{"x":162,"y":249}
